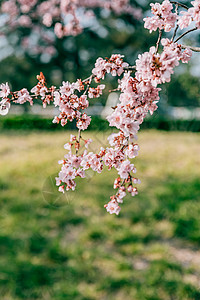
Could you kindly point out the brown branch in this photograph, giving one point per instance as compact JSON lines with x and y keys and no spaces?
{"x":78,"y":141}
{"x":88,"y":80}
{"x":195,"y":49}
{"x":182,"y":35}
{"x":158,"y":41}
{"x":179,"y":4}
{"x":175,"y":31}
{"x":130,"y":68}
{"x":177,"y":26}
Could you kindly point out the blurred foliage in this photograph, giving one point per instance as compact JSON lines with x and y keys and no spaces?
{"x":31,"y":122}
{"x":184,"y":90}
{"x":68,"y":247}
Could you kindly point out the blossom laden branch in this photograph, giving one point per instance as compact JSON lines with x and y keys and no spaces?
{"x":183,"y":34}
{"x":177,"y":26}
{"x":159,"y":39}
{"x":179,"y":4}
{"x":138,"y":96}
{"x":195,"y":49}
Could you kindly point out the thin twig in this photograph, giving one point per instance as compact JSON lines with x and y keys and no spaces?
{"x":89,"y":80}
{"x":130,"y":68}
{"x":175,"y":31}
{"x":195,"y":49}
{"x":182,"y":35}
{"x":177,"y":26}
{"x":179,"y":4}
{"x":158,"y":41}
{"x":78,"y":141}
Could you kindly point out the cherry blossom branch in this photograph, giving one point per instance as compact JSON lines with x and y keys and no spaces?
{"x":177,"y":26}
{"x":179,"y":4}
{"x":139,"y":94}
{"x":175,"y":31}
{"x":78,"y":141}
{"x":195,"y":49}
{"x":159,"y":39}
{"x":182,"y":35}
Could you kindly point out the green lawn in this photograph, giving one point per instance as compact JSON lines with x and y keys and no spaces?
{"x":60,"y":247}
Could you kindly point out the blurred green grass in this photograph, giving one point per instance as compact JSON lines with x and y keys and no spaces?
{"x":62,"y":247}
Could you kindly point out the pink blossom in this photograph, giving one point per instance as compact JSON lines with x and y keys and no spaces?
{"x":117,"y":183}
{"x":195,"y":11}
{"x":58,"y":29}
{"x":25,"y":21}
{"x":57,"y":99}
{"x":66,"y":89}
{"x":83,"y":122}
{"x":117,"y":139}
{"x":186,"y":55}
{"x":115,"y":65}
{"x":163,"y":17}
{"x":112,"y":207}
{"x":115,"y":119}
{"x":121,"y":194}
{"x":24,"y":96}
{"x":113,"y":158}
{"x":96,"y":92}
{"x":4,"y":90}
{"x":131,"y":128}
{"x":47,"y":19}
{"x":43,"y":92}
{"x":133,"y":191}
{"x":72,"y":138}
{"x":56,"y":120}
{"x":157,"y":68}
{"x":4,"y":107}
{"x":61,"y":189}
{"x":185,"y":19}
{"x":132,"y":150}
{"x":68,"y":146}
{"x":136,"y":181}
{"x":125,"y":168}
{"x":83,"y":102}
{"x":87,"y":143}
{"x":92,"y":161}
{"x":81,"y":173}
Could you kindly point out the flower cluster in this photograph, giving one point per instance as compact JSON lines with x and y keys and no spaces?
{"x":115,"y":65}
{"x":70,"y":104}
{"x":192,"y":14}
{"x":74,"y":166}
{"x":96,"y":92}
{"x":39,"y":91}
{"x":163,"y":17}
{"x":155,"y":68}
{"x":20,"y":97}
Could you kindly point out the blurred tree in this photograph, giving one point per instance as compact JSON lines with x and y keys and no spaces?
{"x":184,"y":90}
{"x":28,"y":50}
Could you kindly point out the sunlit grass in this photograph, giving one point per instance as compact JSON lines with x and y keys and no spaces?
{"x":62,"y":247}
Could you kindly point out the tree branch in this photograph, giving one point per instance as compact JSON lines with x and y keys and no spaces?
{"x":175,"y":31}
{"x":177,"y":26}
{"x":182,"y":35}
{"x":179,"y":4}
{"x":158,"y":41}
{"x":195,"y":49}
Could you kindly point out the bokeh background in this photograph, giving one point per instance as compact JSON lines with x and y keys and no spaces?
{"x":62,"y":247}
